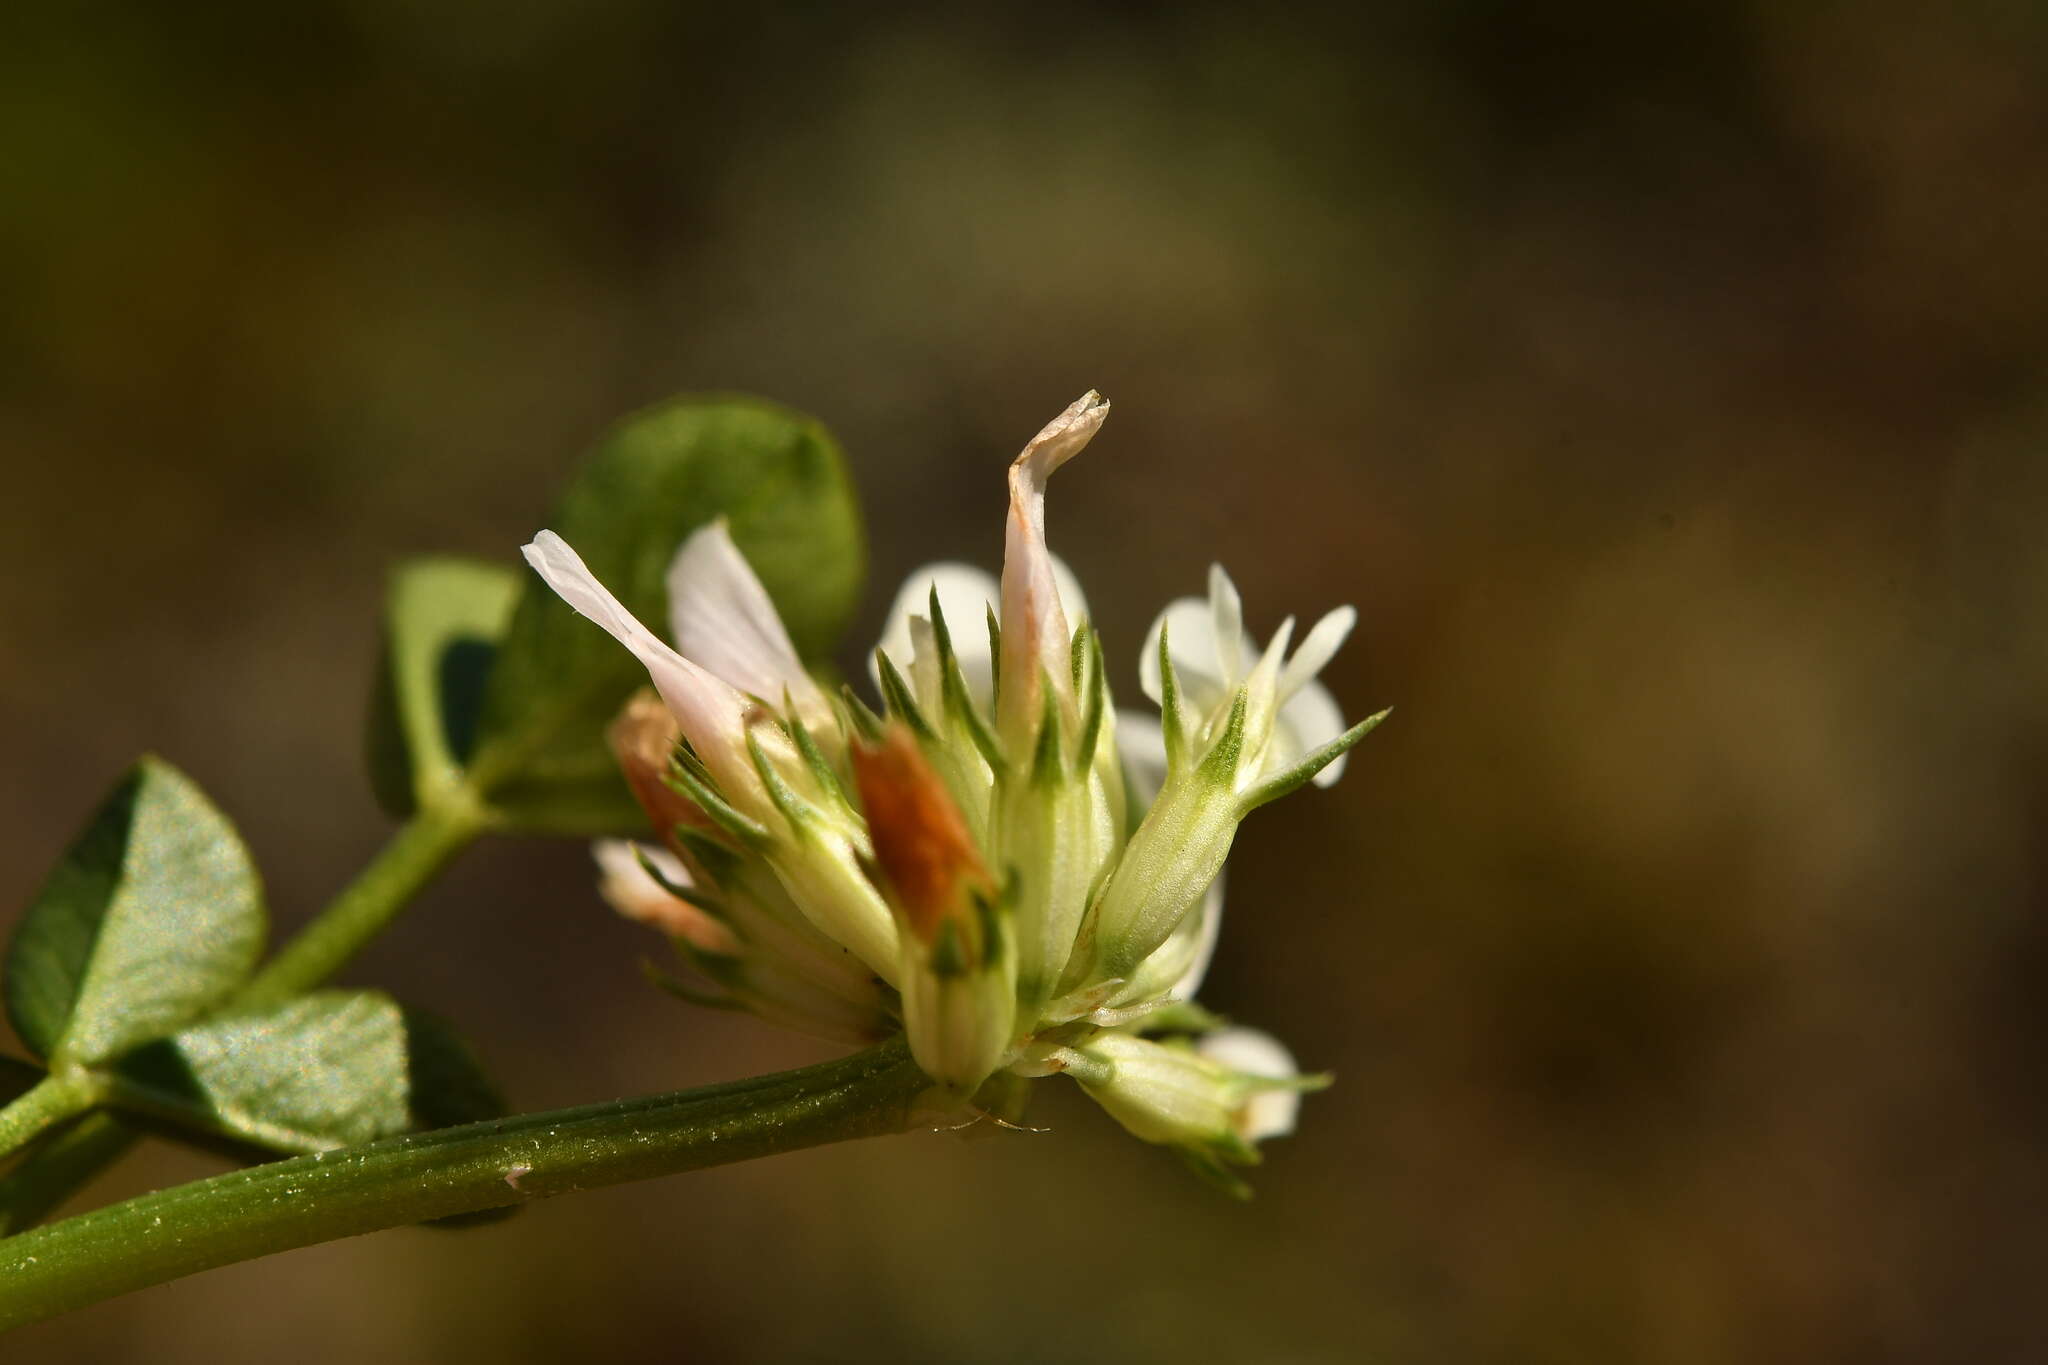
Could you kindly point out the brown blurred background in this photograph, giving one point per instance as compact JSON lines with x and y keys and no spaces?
{"x":1664,"y":383}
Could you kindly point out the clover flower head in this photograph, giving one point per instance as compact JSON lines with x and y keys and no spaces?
{"x":994,"y":860}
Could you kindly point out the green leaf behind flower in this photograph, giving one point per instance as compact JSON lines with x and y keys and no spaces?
{"x":780,"y":481}
{"x":443,"y":621}
{"x":153,"y":916}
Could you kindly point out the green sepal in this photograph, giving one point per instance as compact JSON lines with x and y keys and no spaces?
{"x":1096,"y":704}
{"x":995,"y":654}
{"x":689,"y":778}
{"x":684,"y":991}
{"x":948,"y":956}
{"x":1280,"y":784}
{"x":1219,"y":766}
{"x":689,"y":895}
{"x":896,"y":694}
{"x":1048,"y":765}
{"x":953,"y":683}
{"x":989,"y":913}
{"x":814,"y":758}
{"x":793,"y":808}
{"x":718,"y":860}
{"x":1210,"y":1169}
{"x":858,"y":716}
{"x":1172,"y":726}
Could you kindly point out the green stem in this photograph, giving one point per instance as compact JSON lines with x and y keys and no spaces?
{"x":56,"y":1097}
{"x":434,"y":835}
{"x":296,"y":1203}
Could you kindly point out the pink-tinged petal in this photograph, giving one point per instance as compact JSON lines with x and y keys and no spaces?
{"x":711,"y":713}
{"x":633,"y":891}
{"x":643,"y":738}
{"x":1035,"y":629}
{"x":724,"y":619}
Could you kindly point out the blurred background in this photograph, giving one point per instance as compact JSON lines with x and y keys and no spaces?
{"x":1664,"y":383}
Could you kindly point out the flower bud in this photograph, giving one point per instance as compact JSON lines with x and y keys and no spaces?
{"x":1164,"y":1092}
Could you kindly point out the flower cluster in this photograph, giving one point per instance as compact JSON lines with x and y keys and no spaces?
{"x":995,"y":861}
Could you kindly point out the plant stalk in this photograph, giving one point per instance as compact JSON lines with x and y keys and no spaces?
{"x":420,"y":849}
{"x":296,"y":1203}
{"x":58,"y":1096}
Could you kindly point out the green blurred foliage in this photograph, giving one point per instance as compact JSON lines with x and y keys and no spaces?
{"x":1664,"y":383}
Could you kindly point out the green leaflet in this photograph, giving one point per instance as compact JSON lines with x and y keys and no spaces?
{"x":443,"y":619}
{"x":327,"y":1069}
{"x":153,"y":916}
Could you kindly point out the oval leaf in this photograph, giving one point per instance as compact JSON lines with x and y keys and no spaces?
{"x":443,"y":620}
{"x":327,"y":1069}
{"x":780,"y":481}
{"x":154,"y":915}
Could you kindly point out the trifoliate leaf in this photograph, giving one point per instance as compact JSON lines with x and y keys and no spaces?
{"x":153,"y":916}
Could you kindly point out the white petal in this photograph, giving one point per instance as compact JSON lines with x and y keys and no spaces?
{"x":1268,"y":1113}
{"x":1073,"y":601}
{"x":1317,"y":649}
{"x":1211,"y":921}
{"x":1191,"y":635}
{"x":1142,"y":745}
{"x":712,"y":714}
{"x":965,"y":595}
{"x":1035,"y":630}
{"x":1309,"y":720}
{"x":1226,"y":611}
{"x":724,"y":619}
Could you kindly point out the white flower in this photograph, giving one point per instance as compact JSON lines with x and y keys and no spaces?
{"x":1213,"y":656}
{"x":1233,"y":1089}
{"x":1020,"y":877}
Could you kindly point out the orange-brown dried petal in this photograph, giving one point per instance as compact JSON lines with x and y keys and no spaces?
{"x":920,"y":837}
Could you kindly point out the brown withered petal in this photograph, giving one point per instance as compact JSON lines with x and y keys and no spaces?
{"x":920,"y":838}
{"x":643,"y":738}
